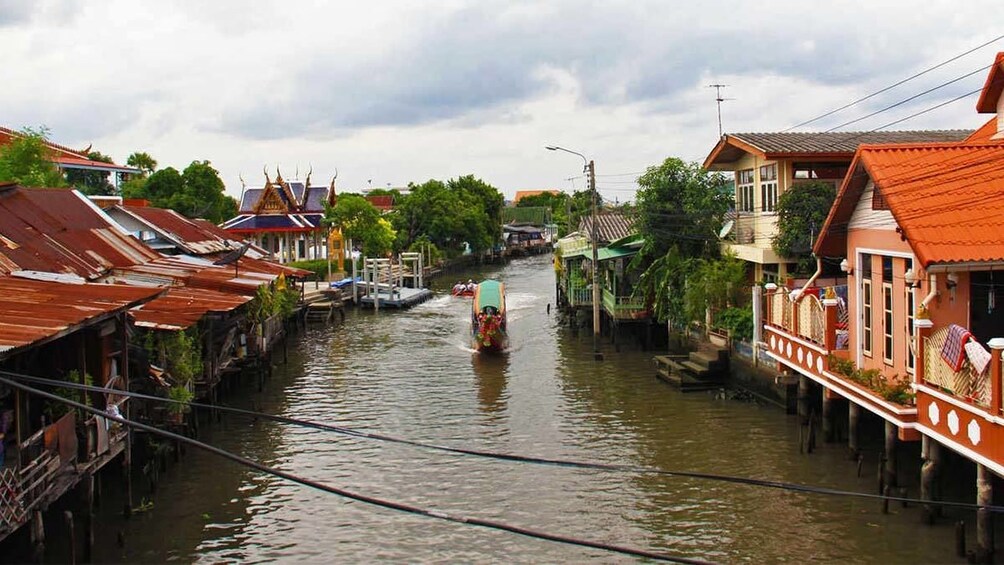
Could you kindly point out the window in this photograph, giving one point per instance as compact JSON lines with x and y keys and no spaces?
{"x":745,"y":190}
{"x":888,"y":342}
{"x":865,"y":269}
{"x":818,"y":171}
{"x":887,"y":269}
{"x":878,"y":201}
{"x":768,"y":188}
{"x":866,"y":314}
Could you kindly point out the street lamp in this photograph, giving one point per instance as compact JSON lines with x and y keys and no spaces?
{"x":590,"y":170}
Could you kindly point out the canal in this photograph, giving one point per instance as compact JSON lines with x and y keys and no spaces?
{"x":411,"y":374}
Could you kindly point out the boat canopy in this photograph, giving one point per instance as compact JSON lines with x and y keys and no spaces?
{"x":489,"y":294}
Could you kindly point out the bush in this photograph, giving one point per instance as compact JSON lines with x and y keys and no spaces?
{"x":894,"y":389}
{"x":317,"y":266}
{"x":739,"y":322}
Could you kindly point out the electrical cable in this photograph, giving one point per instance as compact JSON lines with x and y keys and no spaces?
{"x":890,"y":87}
{"x":796,"y":487}
{"x":407,"y":508}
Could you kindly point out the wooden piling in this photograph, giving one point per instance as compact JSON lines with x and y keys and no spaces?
{"x":853,"y":446}
{"x":72,"y":534}
{"x":803,"y":396}
{"x":930,"y":453}
{"x":984,"y":517}
{"x":960,"y":539}
{"x":87,"y":493}
{"x":889,"y":467}
{"x":38,"y":536}
{"x":828,"y":432}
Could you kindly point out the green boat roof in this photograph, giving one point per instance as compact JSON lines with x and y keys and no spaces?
{"x":489,"y":294}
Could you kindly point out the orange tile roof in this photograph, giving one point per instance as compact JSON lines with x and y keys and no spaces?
{"x":948,"y":199}
{"x":992,"y":89}
{"x":520,"y":194}
{"x":985,"y":132}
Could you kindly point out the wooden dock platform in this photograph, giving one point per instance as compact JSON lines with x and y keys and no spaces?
{"x":397,"y":298}
{"x":695,"y":371}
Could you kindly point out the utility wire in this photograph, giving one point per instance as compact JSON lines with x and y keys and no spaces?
{"x":890,"y":87}
{"x":809,"y":489}
{"x":407,"y":508}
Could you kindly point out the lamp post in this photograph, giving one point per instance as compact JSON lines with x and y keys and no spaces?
{"x":590,"y":170}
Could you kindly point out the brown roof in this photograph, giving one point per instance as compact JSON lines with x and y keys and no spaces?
{"x":33,"y":311}
{"x":182,"y":307}
{"x":610,"y":226}
{"x":521,"y":194}
{"x":58,"y":231}
{"x":66,"y":157}
{"x":189,"y":236}
{"x":837,"y":145}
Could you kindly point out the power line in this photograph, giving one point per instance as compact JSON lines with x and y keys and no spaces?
{"x":904,"y":101}
{"x":402,"y":507}
{"x":6,"y":375}
{"x":890,"y":87}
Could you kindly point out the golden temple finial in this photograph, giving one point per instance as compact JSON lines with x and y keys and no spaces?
{"x":268,"y":181}
{"x":307,"y":183}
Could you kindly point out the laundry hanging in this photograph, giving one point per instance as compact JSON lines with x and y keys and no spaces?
{"x":953,"y":351}
{"x":979,"y":357}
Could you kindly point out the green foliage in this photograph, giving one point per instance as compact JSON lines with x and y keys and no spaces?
{"x":680,"y":205}
{"x":894,"y":389}
{"x":801,"y":213}
{"x":197,"y":192}
{"x":182,"y":397}
{"x":142,"y":161}
{"x":317,"y":266}
{"x":361,"y":222}
{"x":27,"y":161}
{"x":92,"y":182}
{"x":269,"y":301}
{"x":424,"y":245}
{"x":713,"y":283}
{"x":659,"y":284}
{"x":55,"y":409}
{"x":463,"y":210}
{"x":739,"y":322}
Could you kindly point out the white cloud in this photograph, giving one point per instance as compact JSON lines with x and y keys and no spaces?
{"x":404,"y":91}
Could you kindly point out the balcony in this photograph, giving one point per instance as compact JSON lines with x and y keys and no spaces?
{"x":579,"y":294}
{"x":805,"y":335}
{"x":624,"y":307}
{"x":960,"y":408}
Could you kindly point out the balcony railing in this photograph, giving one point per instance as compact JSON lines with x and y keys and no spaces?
{"x":579,"y":294}
{"x":622,"y":307}
{"x":807,"y":317}
{"x":965,"y":383}
{"x":811,"y":319}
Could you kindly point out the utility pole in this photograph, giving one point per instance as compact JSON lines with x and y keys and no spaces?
{"x":718,"y":98}
{"x":597,"y":355}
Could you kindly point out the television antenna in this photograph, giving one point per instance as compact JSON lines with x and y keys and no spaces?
{"x":719,"y":99}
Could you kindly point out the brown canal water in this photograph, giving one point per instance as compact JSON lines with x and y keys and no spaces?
{"x":411,"y":374}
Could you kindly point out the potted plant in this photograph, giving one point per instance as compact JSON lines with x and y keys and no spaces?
{"x":181,"y":397}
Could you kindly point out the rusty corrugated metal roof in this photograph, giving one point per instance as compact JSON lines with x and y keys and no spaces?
{"x":34,"y":311}
{"x":59,"y":231}
{"x":182,"y":307}
{"x":181,"y":270}
{"x":190,"y":237}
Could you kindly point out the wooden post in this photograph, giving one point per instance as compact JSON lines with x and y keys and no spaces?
{"x":38,"y":536}
{"x":923,"y":327}
{"x":72,"y":534}
{"x":889,"y":466}
{"x":87,"y":493}
{"x":996,"y":370}
{"x":828,"y":431}
{"x":853,"y":418}
{"x":127,"y":454}
{"x":803,"y":397}
{"x":930,"y":452}
{"x":830,"y":332}
{"x":984,"y":517}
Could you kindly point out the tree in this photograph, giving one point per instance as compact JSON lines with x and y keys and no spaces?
{"x":92,"y":182}
{"x":801,"y":212}
{"x":142,"y":161}
{"x":462,"y":210}
{"x":560,"y":205}
{"x":482,"y":215}
{"x":361,"y":221}
{"x":27,"y":161}
{"x":197,"y":192}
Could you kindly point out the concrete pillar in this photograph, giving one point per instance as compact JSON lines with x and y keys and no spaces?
{"x":984,"y":517}
{"x":853,"y":418}
{"x":930,"y":453}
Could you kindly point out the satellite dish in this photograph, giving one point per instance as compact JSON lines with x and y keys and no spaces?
{"x":726,"y":229}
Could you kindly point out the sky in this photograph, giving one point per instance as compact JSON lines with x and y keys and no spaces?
{"x":392,"y":92}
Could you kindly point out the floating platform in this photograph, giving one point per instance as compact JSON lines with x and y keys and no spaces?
{"x":399,"y":298}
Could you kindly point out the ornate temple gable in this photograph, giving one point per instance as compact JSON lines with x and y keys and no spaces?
{"x":275,"y":197}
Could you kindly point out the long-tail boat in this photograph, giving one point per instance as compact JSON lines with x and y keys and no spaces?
{"x":488,"y":317}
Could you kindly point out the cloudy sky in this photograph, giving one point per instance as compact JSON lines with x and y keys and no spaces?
{"x":397,"y":91}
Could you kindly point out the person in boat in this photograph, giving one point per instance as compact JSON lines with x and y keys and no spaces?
{"x":471,"y":285}
{"x":459,"y":287}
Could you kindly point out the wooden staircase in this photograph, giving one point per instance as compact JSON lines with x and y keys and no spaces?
{"x":704,"y":369}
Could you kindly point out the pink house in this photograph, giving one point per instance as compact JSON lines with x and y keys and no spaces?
{"x":917,"y":334}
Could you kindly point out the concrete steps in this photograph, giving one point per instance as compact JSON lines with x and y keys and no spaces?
{"x":705,"y":369}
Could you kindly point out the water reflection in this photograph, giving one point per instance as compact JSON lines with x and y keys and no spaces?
{"x":491,"y":375}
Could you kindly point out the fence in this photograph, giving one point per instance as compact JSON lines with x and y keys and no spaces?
{"x":965,"y":383}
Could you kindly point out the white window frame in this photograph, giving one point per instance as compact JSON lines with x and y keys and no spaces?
{"x":859,"y":284}
{"x":888,"y":333}
{"x":768,"y":188}
{"x":745,"y":191}
{"x":867,"y":316}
